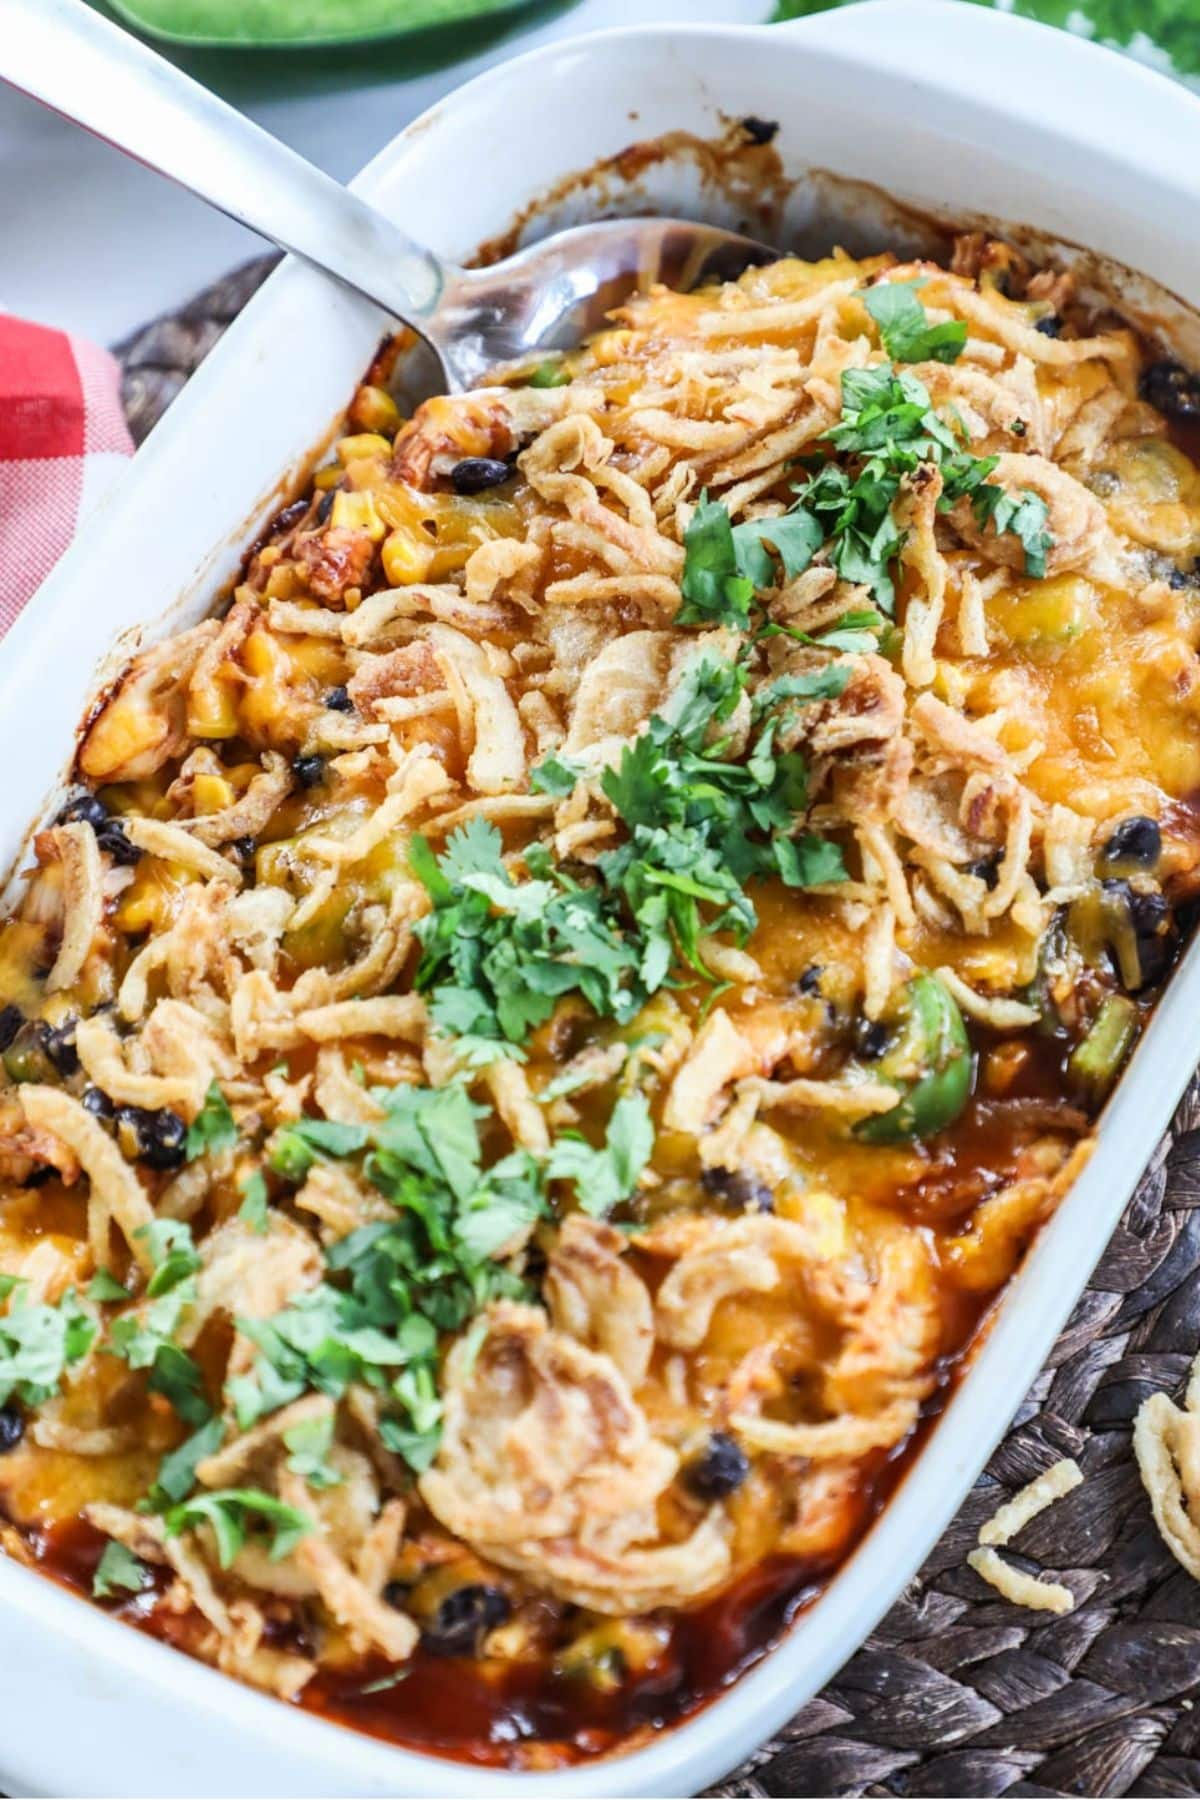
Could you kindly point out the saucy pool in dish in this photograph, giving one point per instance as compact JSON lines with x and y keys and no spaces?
{"x":544,"y":1025}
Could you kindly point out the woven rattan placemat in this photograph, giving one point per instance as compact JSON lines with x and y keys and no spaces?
{"x":959,"y":1693}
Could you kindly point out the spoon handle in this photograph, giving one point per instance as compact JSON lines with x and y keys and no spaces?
{"x":67,"y":56}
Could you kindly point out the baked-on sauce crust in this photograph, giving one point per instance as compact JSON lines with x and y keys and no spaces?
{"x":546,"y":1024}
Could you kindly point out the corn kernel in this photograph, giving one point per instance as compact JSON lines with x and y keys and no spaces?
{"x":213,"y":709}
{"x":364,"y":443}
{"x":356,"y":512}
{"x":283,"y":583}
{"x":212,"y":793}
{"x":373,"y":409}
{"x":406,"y":559}
{"x":328,"y":477}
{"x":151,"y":901}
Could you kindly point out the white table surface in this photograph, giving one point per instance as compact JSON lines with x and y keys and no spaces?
{"x":91,"y":242}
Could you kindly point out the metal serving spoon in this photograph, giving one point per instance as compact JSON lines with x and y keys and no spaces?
{"x":547,"y":296}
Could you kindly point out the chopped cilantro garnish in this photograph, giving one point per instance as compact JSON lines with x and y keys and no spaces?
{"x":234,"y":1513}
{"x":295,"y":1148}
{"x":104,"y":1287}
{"x":393,"y":1286}
{"x":1024,"y":515}
{"x":119,"y":1571}
{"x":145,"y":1337}
{"x":553,"y":776}
{"x":887,"y":430}
{"x":716,"y":590}
{"x":603,"y":1178}
{"x":904,"y":326}
{"x":39,"y":1342}
{"x":177,"y":1471}
{"x":175,"y":1255}
{"x":498,"y":955}
{"x":310,"y":1441}
{"x":725,"y":565}
{"x":213,"y":1128}
{"x":702,"y":825}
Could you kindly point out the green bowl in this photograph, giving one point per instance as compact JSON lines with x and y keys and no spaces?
{"x":296,"y":24}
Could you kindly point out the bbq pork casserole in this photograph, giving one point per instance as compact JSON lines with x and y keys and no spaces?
{"x":543,"y":1026}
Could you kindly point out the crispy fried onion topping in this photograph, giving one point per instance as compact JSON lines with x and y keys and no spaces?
{"x":548,"y":1466}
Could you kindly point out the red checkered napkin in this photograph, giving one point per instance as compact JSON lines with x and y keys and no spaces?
{"x":62,"y":440}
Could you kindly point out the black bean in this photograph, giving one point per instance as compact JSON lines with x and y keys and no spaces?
{"x":396,"y":1594}
{"x":1184,"y":578}
{"x":1150,"y":917}
{"x":1137,"y":839}
{"x":1050,"y":326}
{"x":86,"y":808}
{"x":58,"y":1044}
{"x":157,"y":1138}
{"x":987,"y":868}
{"x":871,"y":1038}
{"x":325,"y":506}
{"x":97,"y":1102}
{"x":1171,"y":388}
{"x":810,"y":981}
{"x":309,"y":770}
{"x":38,"y":1177}
{"x":760,"y":131}
{"x":463,"y":1617}
{"x":741,"y":1187}
{"x":720,"y":1469}
{"x":291,"y":515}
{"x":112,"y":837}
{"x":338,"y":700}
{"x":475,"y":473}
{"x":244,"y":848}
{"x":12,"y":1428}
{"x":11,"y":1020}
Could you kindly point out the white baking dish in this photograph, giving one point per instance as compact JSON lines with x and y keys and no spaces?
{"x":956,"y":110}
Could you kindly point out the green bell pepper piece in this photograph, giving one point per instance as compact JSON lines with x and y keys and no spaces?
{"x":930,"y":1063}
{"x":1096,"y":1060}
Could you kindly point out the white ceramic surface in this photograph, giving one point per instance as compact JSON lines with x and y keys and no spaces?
{"x":950,"y":107}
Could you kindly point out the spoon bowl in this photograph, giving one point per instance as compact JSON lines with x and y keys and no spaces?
{"x":553,"y":293}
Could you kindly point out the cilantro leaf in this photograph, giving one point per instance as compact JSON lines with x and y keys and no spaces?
{"x":795,"y":536}
{"x":904,"y":326}
{"x":603,"y":1178}
{"x":1024,"y":515}
{"x":177,"y":1471}
{"x":233,"y":1514}
{"x":175,"y":1255}
{"x":145,"y":1337}
{"x":809,"y":861}
{"x":39,"y":1343}
{"x":104,"y":1287}
{"x":506,"y":1202}
{"x":715,"y":586}
{"x":119,"y":1571}
{"x":310,"y":1441}
{"x":826,"y":683}
{"x":553,"y":776}
{"x":295,"y":1148}
{"x":213,"y":1128}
